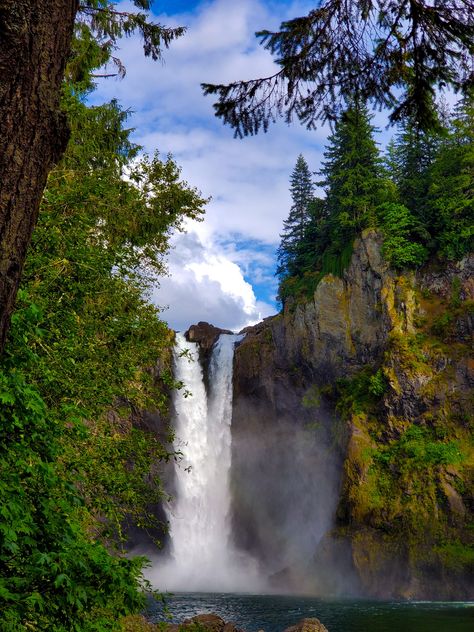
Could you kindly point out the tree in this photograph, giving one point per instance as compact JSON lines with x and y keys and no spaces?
{"x":392,"y":53}
{"x":73,"y":375}
{"x":354,"y":186}
{"x":302,"y":195}
{"x":411,"y":154}
{"x":35,"y":44}
{"x":352,"y":177}
{"x":450,"y":198}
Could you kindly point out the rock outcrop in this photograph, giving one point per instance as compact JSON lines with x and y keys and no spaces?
{"x":208,"y":622}
{"x":206,"y":336}
{"x":307,"y":625}
{"x":368,"y":385}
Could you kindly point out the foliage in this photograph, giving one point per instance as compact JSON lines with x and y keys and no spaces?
{"x":360,"y":393}
{"x":456,"y":555}
{"x":401,"y":246}
{"x":409,"y":157}
{"x":451,"y":188}
{"x":299,"y":287}
{"x":392,"y":53}
{"x":81,"y":340}
{"x":53,"y":575}
{"x":354,"y":186}
{"x":352,"y":173}
{"x":421,"y":199}
{"x":99,"y":26}
{"x":417,"y":449}
{"x":302,"y":195}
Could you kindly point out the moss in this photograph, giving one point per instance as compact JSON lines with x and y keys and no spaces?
{"x":268,"y":336}
{"x":362,"y":392}
{"x":397,"y":469}
{"x":298,"y":290}
{"x":456,"y":556}
{"x":456,"y":287}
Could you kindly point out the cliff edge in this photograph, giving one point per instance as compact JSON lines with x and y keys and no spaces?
{"x":370,"y":380}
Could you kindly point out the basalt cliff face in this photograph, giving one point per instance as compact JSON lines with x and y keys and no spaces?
{"x":352,"y":455}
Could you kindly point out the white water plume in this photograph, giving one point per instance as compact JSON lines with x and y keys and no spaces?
{"x":203,"y":557}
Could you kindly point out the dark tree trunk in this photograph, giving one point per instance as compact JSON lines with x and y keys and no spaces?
{"x":35,"y":39}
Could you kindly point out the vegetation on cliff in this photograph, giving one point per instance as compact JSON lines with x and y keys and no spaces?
{"x":383,"y":362}
{"x":405,"y":430}
{"x":420,"y":197}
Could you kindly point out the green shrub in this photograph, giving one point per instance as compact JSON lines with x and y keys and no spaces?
{"x":401,"y":247}
{"x":441,"y":325}
{"x":417,"y":449}
{"x":361,"y":393}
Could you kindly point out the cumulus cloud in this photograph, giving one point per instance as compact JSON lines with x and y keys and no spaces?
{"x":225,"y":269}
{"x":204,"y":284}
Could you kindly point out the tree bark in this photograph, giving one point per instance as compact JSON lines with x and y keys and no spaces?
{"x":35,"y":40}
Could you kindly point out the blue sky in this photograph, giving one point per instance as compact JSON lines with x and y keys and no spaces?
{"x":222,"y":270}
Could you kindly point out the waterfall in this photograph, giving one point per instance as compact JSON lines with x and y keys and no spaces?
{"x":203,"y":556}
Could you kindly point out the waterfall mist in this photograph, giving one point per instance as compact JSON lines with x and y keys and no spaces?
{"x":285,"y":482}
{"x":203,"y":556}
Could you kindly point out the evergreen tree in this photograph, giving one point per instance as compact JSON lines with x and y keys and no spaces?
{"x":352,"y":177}
{"x":410,"y":156}
{"x":355,"y":186}
{"x":392,"y":52}
{"x":302,"y":195}
{"x":451,"y":189}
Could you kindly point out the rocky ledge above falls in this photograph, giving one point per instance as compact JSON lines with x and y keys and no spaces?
{"x":205,"y":335}
{"x":384,"y":362}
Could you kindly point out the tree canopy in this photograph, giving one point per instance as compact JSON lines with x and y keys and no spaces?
{"x":420,"y":197}
{"x":391,"y":53}
{"x":41,"y":42}
{"x":85,"y":353}
{"x":299,"y":217}
{"x":75,"y":371}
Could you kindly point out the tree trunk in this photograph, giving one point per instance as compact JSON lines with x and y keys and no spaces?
{"x":35,"y":40}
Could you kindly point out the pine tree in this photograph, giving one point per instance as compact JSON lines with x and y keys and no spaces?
{"x":302,"y":195}
{"x":451,"y":190}
{"x":410,"y":156}
{"x":392,"y":52}
{"x":352,"y":177}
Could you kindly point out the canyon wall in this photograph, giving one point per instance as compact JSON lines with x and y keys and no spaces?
{"x":352,"y":454}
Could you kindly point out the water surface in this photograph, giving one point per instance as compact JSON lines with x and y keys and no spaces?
{"x":273,"y":613}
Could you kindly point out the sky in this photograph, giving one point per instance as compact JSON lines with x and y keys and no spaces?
{"x":221,"y":269}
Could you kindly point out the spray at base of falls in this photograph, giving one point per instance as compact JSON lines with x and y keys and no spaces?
{"x":203,"y":557}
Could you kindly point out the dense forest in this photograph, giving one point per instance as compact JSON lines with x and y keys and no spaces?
{"x":419,"y":194}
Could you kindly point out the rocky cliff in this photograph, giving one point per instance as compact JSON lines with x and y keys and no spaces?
{"x":352,"y":434}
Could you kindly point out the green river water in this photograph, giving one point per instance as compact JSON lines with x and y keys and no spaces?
{"x":273,"y":613}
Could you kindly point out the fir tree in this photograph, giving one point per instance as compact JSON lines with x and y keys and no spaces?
{"x":352,"y":176}
{"x":302,"y":195}
{"x":451,"y":189}
{"x":410,"y":156}
{"x":392,"y":52}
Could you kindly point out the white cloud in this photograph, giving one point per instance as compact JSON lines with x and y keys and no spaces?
{"x":247,"y":179}
{"x":204,"y":284}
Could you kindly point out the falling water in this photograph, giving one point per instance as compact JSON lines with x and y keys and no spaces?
{"x":203,"y":556}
